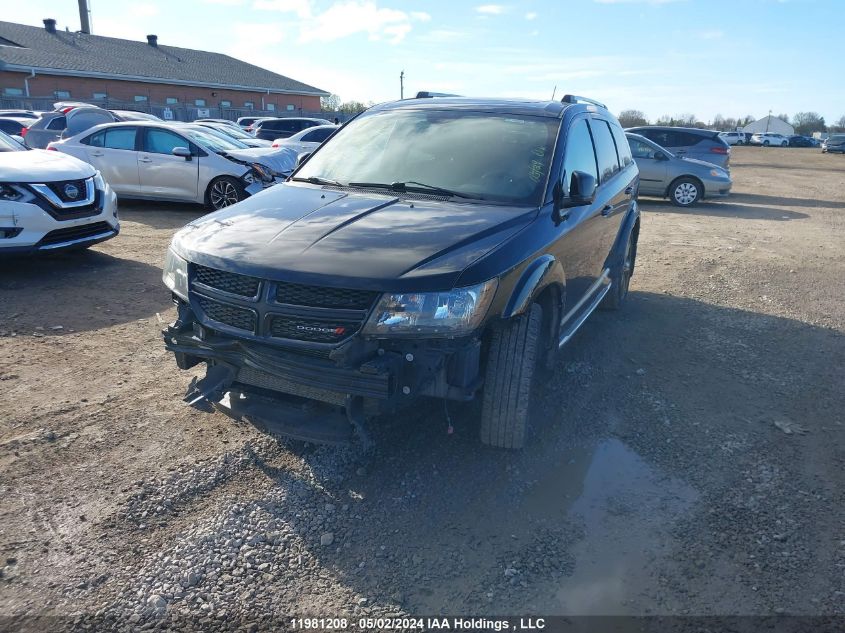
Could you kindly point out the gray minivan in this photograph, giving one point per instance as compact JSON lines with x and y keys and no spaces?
{"x":689,"y":142}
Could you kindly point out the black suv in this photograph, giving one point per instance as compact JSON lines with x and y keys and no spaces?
{"x":440,"y":248}
{"x":271,"y":129}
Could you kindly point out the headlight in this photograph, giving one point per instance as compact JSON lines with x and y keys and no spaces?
{"x":263,"y":172}
{"x":9,"y":193}
{"x":450,"y":313}
{"x":718,"y":173}
{"x":175,"y":275}
{"x":99,"y":183}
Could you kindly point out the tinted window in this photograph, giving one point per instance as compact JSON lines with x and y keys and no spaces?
{"x":579,"y":154}
{"x":59,"y":123}
{"x":115,"y":138}
{"x":163,"y":142}
{"x":605,"y":149}
{"x":622,"y":148}
{"x":10,"y":127}
{"x":317,"y":136}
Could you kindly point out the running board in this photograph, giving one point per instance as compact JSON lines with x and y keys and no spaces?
{"x":598,"y":292}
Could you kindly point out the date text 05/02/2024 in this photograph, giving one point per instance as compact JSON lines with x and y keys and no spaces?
{"x":412,"y":623}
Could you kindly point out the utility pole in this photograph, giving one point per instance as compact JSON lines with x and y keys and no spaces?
{"x":402,"y":85}
{"x":768,"y":120}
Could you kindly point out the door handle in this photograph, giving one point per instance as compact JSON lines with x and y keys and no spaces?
{"x":97,"y":154}
{"x":606,"y":210}
{"x":629,"y":191}
{"x":144,"y":159}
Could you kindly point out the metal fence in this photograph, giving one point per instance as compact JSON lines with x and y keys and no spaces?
{"x":175,"y":112}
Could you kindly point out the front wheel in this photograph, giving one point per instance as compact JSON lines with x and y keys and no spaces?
{"x":509,"y":379}
{"x":784,"y":144}
{"x":685,"y":192}
{"x":224,"y":192}
{"x":765,"y":143}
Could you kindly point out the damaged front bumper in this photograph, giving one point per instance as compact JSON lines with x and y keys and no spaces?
{"x":319,"y":397}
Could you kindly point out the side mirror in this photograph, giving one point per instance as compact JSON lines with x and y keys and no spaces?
{"x":582,"y":190}
{"x":184,"y":152}
{"x":302,"y":158}
{"x":660,"y":156}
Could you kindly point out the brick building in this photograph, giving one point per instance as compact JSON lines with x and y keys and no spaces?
{"x":41,"y":65}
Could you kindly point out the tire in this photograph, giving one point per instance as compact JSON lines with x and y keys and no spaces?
{"x":765,"y":143}
{"x":620,"y":278}
{"x":685,"y":192}
{"x":784,"y":144}
{"x":508,"y":380}
{"x":224,"y":192}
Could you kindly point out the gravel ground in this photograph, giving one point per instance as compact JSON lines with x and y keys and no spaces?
{"x":687,"y":455}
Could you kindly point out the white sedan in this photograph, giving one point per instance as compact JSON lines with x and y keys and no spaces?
{"x":308,"y":139}
{"x":49,"y":201}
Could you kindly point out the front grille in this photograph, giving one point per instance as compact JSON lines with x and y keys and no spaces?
{"x":322,"y":297}
{"x":74,"y":233}
{"x":232,"y":283}
{"x":233,"y":316}
{"x":59,"y":188}
{"x":316,"y":331}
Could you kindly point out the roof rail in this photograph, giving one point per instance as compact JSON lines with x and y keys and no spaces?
{"x":425,"y":94}
{"x":577,"y":99}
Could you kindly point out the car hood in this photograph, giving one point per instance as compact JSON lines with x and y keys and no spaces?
{"x":281,"y":160}
{"x":340,"y":238}
{"x":39,"y":165}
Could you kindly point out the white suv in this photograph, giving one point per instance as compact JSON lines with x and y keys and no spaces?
{"x":50,"y":201}
{"x":767,"y":139}
{"x":733,"y":138}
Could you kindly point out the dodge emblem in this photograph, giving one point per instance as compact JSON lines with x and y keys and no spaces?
{"x":71,"y":191}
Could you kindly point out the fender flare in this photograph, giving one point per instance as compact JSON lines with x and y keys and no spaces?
{"x":543,"y":272}
{"x":628,"y":224}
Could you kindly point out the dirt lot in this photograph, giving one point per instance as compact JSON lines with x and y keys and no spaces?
{"x":689,"y":458}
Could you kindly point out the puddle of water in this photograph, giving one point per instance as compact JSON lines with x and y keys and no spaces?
{"x":627,"y":508}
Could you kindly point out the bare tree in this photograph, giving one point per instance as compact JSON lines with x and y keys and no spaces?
{"x":330,"y":103}
{"x":632,"y":118}
{"x":839,"y":126}
{"x":806,"y":123}
{"x":784,"y":117}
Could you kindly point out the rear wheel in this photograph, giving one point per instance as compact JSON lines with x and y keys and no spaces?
{"x":784,"y":144}
{"x":621,"y":277}
{"x":685,"y":192}
{"x":224,"y":192}
{"x":765,"y":143}
{"x":509,"y":378}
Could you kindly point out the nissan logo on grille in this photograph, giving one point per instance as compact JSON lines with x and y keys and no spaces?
{"x":324,"y":330}
{"x":71,"y":191}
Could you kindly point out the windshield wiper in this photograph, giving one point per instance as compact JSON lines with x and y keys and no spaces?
{"x":316,"y":180}
{"x":413,"y":185}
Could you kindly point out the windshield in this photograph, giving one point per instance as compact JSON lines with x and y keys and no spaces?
{"x":8,"y":144}
{"x":498,"y":157}
{"x":231,"y":130}
{"x":213,"y":140}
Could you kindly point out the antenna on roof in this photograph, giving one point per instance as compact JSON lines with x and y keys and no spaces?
{"x":553,"y":93}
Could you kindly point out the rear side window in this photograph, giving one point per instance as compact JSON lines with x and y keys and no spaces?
{"x":623,"y":150}
{"x":286,"y":126}
{"x":115,"y":138}
{"x":59,"y":123}
{"x":605,"y":149}
{"x":317,"y":136}
{"x":579,"y":154}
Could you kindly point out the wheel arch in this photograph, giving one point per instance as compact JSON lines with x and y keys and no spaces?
{"x":543,"y":273}
{"x":698,"y":181}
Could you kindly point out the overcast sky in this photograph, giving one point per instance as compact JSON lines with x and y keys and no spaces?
{"x":733,"y":57}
